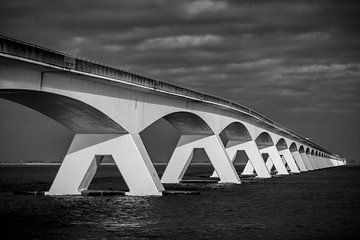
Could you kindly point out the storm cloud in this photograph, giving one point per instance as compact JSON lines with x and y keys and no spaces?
{"x":297,"y":62}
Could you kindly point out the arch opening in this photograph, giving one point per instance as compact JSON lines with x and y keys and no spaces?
{"x":281,"y":144}
{"x":234,"y":133}
{"x":293,"y":147}
{"x":106,"y":176}
{"x":264,"y":140}
{"x":163,"y":136}
{"x":301,"y":149}
{"x":188,"y":123}
{"x":307,"y":151}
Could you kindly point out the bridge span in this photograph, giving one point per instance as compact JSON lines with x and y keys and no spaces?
{"x":117,"y":113}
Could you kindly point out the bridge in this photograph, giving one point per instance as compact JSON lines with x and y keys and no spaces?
{"x":114,"y":112}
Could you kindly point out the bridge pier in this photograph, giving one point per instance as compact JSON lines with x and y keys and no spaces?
{"x":306,"y":160}
{"x":290,"y":160}
{"x":183,"y":153}
{"x":313,"y":161}
{"x":275,"y":159}
{"x":326,"y":163}
{"x":269,"y":163}
{"x":84,"y":156}
{"x":255,"y":162}
{"x":319,"y":162}
{"x":299,"y":161}
{"x":285,"y":163}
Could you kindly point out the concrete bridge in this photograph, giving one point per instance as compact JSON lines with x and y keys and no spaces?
{"x":113,"y":112}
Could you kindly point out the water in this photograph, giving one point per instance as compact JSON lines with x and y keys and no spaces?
{"x":315,"y":205}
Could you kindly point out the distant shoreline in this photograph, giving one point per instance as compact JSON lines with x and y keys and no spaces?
{"x":107,"y":164}
{"x":29,"y":164}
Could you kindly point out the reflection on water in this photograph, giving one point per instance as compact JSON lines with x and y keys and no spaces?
{"x":111,"y":213}
{"x":124,"y":216}
{"x":314,"y":205}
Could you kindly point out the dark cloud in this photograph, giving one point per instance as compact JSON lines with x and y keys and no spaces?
{"x":295,"y":61}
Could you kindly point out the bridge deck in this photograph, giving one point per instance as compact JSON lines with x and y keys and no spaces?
{"x":19,"y":50}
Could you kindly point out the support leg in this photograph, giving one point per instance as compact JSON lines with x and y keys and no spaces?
{"x":284,"y":162}
{"x":319,"y":162}
{"x":312,"y":161}
{"x":326,"y":162}
{"x":255,"y":161}
{"x":81,"y":161}
{"x":306,"y":160}
{"x":180,"y":159}
{"x":299,"y":161}
{"x":276,"y":159}
{"x":269,"y":163}
{"x":290,"y":160}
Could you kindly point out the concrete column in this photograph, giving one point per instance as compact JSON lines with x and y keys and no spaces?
{"x":313,"y":161}
{"x":299,"y":161}
{"x":321,"y":164}
{"x":255,"y":162}
{"x":276,"y":159}
{"x":332,"y":163}
{"x":83,"y":158}
{"x":321,"y":161}
{"x":255,"y":159}
{"x":306,"y":161}
{"x":329,"y":162}
{"x":182,"y":156}
{"x":326,"y":161}
{"x":285,"y":163}
{"x":269,"y":163}
{"x":290,"y":160}
{"x":316,"y":162}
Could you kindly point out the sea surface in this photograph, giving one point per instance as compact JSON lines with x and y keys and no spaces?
{"x":322,"y":204}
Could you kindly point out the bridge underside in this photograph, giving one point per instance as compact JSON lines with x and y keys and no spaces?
{"x":75,"y":115}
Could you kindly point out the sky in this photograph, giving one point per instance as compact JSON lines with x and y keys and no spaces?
{"x":297,"y":62}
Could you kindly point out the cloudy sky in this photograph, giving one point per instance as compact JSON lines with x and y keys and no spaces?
{"x":297,"y":62}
